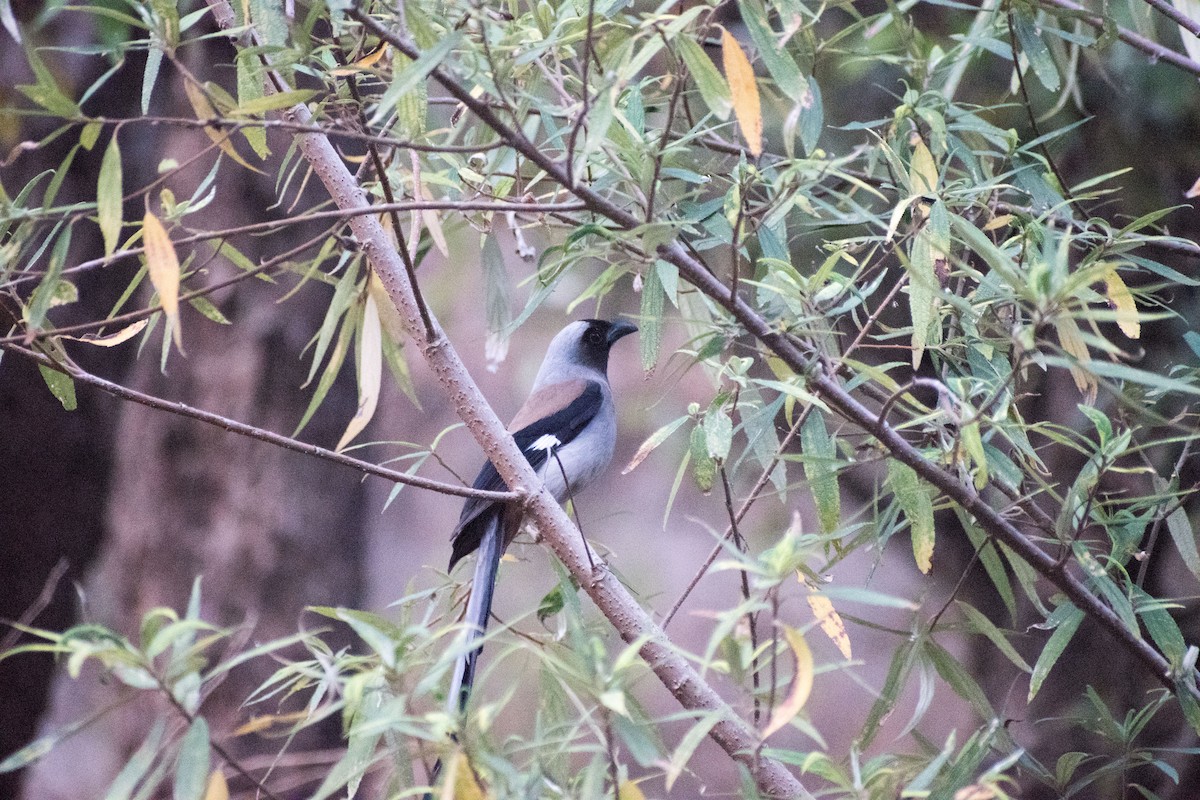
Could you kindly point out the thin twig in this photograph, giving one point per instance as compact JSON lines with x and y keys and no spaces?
{"x":34,"y":609}
{"x":259,"y":434}
{"x":751,"y":617}
{"x":763,"y":478}
{"x":1151,"y":48}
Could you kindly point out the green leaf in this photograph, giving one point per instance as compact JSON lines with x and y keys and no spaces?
{"x":138,"y":765}
{"x":336,"y":358}
{"x":959,"y":679}
{"x":268,"y":19}
{"x":652,"y":443}
{"x":1034,"y":48}
{"x":1180,"y":527}
{"x":46,"y":92}
{"x":992,"y":564}
{"x":343,"y":296}
{"x":889,"y":694}
{"x":1162,"y":626}
{"x":108,"y":196}
{"x":779,"y":63}
{"x":704,"y":469}
{"x":713,"y":88}
{"x":249,"y":90}
{"x":261,"y":104}
{"x":43,"y":296}
{"x":922,"y":293}
{"x":687,"y":746}
{"x":718,"y":433}
{"x":410,"y":77}
{"x":820,"y":459}
{"x":979,"y":623}
{"x":191,"y":770}
{"x":210,"y":311}
{"x":1069,"y":618}
{"x":154,"y":59}
{"x":914,"y":500}
{"x":61,"y":386}
{"x":650,"y":320}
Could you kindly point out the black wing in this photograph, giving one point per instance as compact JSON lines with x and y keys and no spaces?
{"x":564,"y":425}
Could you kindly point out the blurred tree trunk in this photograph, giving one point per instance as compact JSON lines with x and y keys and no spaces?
{"x":140,"y":501}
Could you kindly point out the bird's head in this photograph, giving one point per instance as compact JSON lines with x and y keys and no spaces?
{"x":584,"y":343}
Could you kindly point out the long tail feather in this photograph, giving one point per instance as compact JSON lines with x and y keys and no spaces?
{"x":479,"y":609}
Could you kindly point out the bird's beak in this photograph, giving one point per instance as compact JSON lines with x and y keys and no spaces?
{"x":619,"y":329}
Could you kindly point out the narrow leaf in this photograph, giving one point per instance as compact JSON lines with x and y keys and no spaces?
{"x":652,"y":442}
{"x":743,"y":90}
{"x":802,"y":683}
{"x":820,"y":455}
{"x":204,"y":110}
{"x":1054,"y":648}
{"x":112,"y":339}
{"x":9,"y":21}
{"x":1035,"y":49}
{"x":650,"y":320}
{"x":370,"y":371}
{"x":191,"y":770}
{"x":163,"y":267}
{"x":831,"y":622}
{"x":60,"y":385}
{"x":1072,"y":343}
{"x":218,"y":788}
{"x":713,"y":88}
{"x":687,"y":745}
{"x":914,"y":500}
{"x":628,"y":790}
{"x":1121,"y":300}
{"x":108,"y":196}
{"x":1180,"y":527}
{"x":718,"y":433}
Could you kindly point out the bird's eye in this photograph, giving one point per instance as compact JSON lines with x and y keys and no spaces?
{"x":593,"y":336}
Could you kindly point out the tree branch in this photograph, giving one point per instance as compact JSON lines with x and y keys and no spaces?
{"x":825,"y":386}
{"x":1147,"y":46}
{"x":633,"y":624}
{"x":242,"y":429}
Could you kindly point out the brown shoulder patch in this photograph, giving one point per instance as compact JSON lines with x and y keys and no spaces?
{"x":546,"y":401}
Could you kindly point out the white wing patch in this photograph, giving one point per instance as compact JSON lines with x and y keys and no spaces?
{"x":547,"y":442}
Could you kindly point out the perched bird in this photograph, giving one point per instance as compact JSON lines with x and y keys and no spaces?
{"x":566,"y":429}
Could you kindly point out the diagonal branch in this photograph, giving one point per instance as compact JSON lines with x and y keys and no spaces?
{"x":824,"y":385}
{"x":632,"y":622}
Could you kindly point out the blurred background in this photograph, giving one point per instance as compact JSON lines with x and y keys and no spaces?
{"x":115,"y":508}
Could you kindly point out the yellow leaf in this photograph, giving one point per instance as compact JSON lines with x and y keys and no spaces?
{"x":975,"y":791}
{"x":364,"y":63}
{"x":997,"y":222}
{"x":831,"y":622}
{"x":217,"y":788}
{"x":1121,"y":300}
{"x":801,"y":684}
{"x":460,"y":781}
{"x":628,"y":790}
{"x":261,"y":722}
{"x":922,"y":170}
{"x":1073,"y":344}
{"x":370,"y":371}
{"x":743,"y":91}
{"x":393,"y":323}
{"x":112,"y":339}
{"x":204,"y":110}
{"x":163,"y":267}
